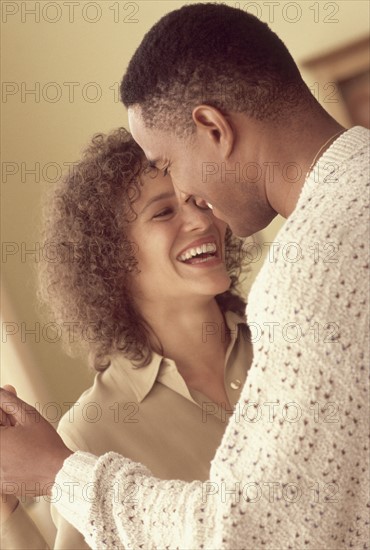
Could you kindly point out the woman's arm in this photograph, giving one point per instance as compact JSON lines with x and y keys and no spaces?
{"x":8,"y":505}
{"x":19,"y":531}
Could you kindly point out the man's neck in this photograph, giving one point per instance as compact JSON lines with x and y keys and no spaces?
{"x":301,"y":149}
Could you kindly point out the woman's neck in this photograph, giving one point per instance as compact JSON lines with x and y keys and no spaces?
{"x":192,"y":333}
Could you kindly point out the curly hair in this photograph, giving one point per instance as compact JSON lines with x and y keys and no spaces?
{"x":212,"y":54}
{"x":90,"y":261}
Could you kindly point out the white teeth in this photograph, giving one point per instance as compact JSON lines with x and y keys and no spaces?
{"x":209,"y":205}
{"x":195,"y":251}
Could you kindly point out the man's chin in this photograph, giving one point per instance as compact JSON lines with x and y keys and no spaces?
{"x":241,"y":227}
{"x":241,"y":231}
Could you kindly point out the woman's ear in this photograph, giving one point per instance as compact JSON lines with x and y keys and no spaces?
{"x":213,"y":125}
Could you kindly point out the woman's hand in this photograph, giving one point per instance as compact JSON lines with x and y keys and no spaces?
{"x":31,"y":451}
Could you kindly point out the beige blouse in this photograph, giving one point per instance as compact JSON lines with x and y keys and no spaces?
{"x":149,"y":415}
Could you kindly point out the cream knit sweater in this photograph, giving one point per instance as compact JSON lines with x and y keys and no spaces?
{"x":292,"y":470}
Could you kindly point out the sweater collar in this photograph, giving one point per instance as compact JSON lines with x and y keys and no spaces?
{"x":333,"y":162}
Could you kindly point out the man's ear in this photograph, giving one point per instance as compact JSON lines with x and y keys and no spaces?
{"x":211,"y":123}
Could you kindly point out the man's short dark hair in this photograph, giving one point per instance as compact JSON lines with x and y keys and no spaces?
{"x":212,"y":54}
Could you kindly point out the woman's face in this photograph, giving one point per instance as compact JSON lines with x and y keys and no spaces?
{"x":180,"y":246}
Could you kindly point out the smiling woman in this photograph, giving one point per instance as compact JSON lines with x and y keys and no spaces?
{"x":188,"y":240}
{"x":103,"y":216}
{"x":150,"y":285}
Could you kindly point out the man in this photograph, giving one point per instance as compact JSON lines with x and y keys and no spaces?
{"x":215,"y":98}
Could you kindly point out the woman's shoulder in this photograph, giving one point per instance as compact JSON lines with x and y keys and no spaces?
{"x":94,"y":406}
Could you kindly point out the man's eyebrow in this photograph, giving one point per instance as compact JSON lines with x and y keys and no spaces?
{"x":156,"y":198}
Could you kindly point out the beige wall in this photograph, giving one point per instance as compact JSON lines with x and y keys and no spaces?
{"x":82,"y":53}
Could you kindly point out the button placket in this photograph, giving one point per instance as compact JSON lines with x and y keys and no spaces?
{"x":235,"y":384}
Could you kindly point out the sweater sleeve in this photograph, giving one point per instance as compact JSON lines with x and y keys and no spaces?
{"x":117,"y":503}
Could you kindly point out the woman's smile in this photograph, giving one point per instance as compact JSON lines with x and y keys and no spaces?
{"x":201,"y":253}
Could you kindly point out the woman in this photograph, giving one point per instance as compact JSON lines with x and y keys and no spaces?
{"x":149,"y":287}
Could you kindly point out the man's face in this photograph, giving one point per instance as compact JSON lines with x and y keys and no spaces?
{"x":197,"y":168}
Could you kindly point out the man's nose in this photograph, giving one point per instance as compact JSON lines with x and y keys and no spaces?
{"x":183,"y":197}
{"x":180,"y":195}
{"x":193,"y":216}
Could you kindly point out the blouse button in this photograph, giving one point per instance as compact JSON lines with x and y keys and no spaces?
{"x":235,"y":384}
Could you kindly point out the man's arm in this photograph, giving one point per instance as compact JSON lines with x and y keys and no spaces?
{"x":91,"y":503}
{"x":118,"y":503}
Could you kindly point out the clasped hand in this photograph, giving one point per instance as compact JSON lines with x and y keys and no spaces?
{"x":31,"y":451}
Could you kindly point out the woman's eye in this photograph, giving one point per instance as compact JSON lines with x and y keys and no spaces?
{"x":163,"y":213}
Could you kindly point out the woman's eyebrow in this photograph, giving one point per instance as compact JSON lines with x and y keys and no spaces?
{"x":153,"y":162}
{"x":155,"y":198}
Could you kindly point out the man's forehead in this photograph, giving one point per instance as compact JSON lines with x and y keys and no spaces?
{"x":149,"y":139}
{"x":135,"y":119}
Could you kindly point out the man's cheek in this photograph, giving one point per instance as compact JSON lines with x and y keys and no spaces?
{"x":218,"y":214}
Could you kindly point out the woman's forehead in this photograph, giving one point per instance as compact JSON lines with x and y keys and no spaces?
{"x":154,"y":182}
{"x":154,"y":185}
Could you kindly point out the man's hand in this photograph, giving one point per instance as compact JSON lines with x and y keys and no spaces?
{"x":31,"y":451}
{"x":8,"y":503}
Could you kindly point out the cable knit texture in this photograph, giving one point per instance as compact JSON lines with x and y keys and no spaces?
{"x":292,"y":469}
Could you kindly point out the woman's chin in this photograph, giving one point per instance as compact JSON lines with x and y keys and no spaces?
{"x":218,"y":285}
